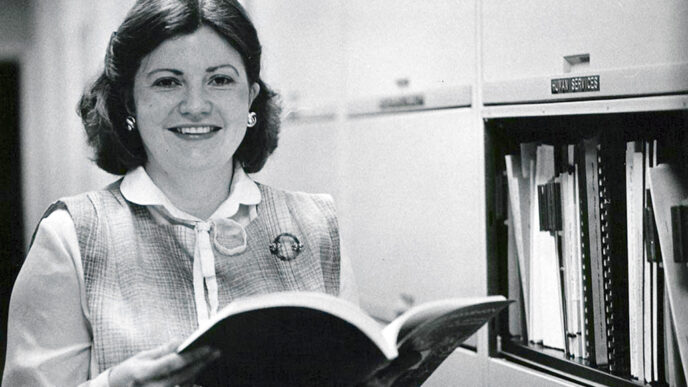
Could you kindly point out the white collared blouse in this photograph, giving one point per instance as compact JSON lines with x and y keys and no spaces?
{"x":49,"y":334}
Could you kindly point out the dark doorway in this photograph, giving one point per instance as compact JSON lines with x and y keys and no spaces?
{"x":11,"y":211}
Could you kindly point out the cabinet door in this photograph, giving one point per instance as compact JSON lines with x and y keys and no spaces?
{"x":412,"y":216}
{"x":302,"y":52}
{"x":504,"y":373}
{"x":307,"y":159}
{"x":636,"y":47}
{"x":462,"y":368}
{"x":406,"y":46}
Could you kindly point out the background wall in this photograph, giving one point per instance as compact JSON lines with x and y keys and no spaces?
{"x":64,"y":55}
{"x":14,"y":35}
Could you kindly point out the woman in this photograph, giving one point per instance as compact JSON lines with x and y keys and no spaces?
{"x":115,"y":278}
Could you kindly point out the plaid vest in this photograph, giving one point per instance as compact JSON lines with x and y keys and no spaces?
{"x":138,"y":273}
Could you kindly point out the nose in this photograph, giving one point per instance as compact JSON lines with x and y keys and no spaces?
{"x":195,"y":103}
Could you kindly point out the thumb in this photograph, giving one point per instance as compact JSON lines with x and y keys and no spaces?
{"x":399,"y":365}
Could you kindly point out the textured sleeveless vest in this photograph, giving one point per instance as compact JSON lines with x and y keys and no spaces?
{"x":138,"y":273}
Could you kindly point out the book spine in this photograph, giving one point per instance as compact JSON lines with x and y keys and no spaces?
{"x":555,"y":224}
{"x":591,"y":254}
{"x":606,"y":257}
{"x":660,"y":360}
{"x":635,"y":192}
{"x":578,"y":258}
{"x":614,"y":253}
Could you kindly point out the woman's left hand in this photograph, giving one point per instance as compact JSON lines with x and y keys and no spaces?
{"x":162,"y":367}
{"x":386,"y":376}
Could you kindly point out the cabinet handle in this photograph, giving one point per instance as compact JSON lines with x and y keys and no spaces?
{"x":576,"y":62}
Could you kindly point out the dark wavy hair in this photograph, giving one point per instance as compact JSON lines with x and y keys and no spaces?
{"x":104,"y":106}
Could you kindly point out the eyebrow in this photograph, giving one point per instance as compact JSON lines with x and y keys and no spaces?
{"x":211,"y":69}
{"x":173,"y":71}
{"x":208,"y":70}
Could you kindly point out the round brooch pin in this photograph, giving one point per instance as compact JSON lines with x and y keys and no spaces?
{"x":286,"y":247}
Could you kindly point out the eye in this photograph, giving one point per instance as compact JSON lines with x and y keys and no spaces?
{"x":167,"y":82}
{"x":221,"y":80}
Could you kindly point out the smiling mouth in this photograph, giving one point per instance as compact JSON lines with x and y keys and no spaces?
{"x":195,"y":130}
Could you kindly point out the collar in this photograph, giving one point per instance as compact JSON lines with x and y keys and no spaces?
{"x":138,"y":188}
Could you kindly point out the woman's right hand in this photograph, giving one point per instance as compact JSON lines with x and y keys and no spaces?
{"x":162,"y":366}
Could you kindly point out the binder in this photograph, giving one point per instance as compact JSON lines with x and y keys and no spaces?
{"x":656,"y":284}
{"x":615,"y":258}
{"x":570,"y":257}
{"x":546,"y":303}
{"x":549,"y":202}
{"x":591,"y":252}
{"x":635,"y":192}
{"x":515,"y":289}
{"x":577,"y":251}
{"x":653,"y":257}
{"x":603,"y":208}
{"x":668,"y":188}
{"x":660,"y":340}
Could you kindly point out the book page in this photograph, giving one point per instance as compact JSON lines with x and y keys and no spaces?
{"x":292,"y":338}
{"x":398,"y":329}
{"x":435,"y":334}
{"x":312,"y":300}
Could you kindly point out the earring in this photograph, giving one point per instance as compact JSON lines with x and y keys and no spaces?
{"x":131,"y":123}
{"x":252,"y":119}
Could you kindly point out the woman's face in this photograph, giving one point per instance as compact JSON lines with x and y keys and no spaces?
{"x":192,"y":97}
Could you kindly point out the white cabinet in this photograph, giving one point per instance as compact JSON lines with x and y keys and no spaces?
{"x":408,"y":48}
{"x":65,"y":51}
{"x":412,"y":216}
{"x":463,"y":368}
{"x":388,"y":55}
{"x":306,"y":159}
{"x":303,"y":55}
{"x":408,"y":191}
{"x":504,"y":373}
{"x":635,"y":47}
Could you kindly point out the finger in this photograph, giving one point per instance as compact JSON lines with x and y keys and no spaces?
{"x":190,"y":373}
{"x":399,"y":365}
{"x":409,"y":359}
{"x":174,"y":362}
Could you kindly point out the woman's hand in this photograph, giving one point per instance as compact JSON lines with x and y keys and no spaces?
{"x":162,"y":366}
{"x":389,"y":374}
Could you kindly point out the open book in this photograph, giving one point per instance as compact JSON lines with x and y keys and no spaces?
{"x":297,"y":338}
